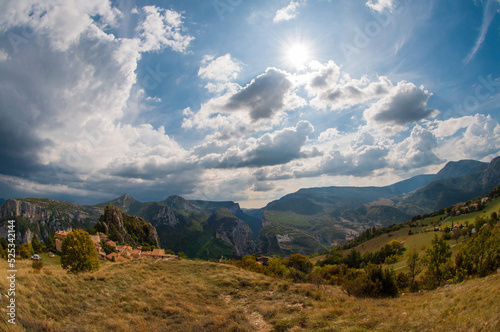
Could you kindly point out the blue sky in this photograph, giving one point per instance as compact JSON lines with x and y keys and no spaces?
{"x":241,"y":100}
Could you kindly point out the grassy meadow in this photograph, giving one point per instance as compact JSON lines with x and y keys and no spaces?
{"x":203,"y":296}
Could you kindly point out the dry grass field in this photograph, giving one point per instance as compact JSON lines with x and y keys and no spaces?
{"x":202,"y":296}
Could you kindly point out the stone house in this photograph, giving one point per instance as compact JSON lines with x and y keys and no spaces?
{"x":59,"y":237}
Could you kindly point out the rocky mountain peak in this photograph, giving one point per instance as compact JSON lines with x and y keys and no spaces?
{"x":124,"y":228}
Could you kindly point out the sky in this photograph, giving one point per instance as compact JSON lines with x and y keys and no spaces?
{"x":241,"y":100}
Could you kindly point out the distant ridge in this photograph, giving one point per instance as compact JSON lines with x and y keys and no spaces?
{"x":125,"y":202}
{"x":306,"y":221}
{"x":445,"y":192}
{"x":456,"y":169}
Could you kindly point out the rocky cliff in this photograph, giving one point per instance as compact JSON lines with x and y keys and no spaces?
{"x":123,"y":228}
{"x":44,"y":217}
{"x":233,"y":231}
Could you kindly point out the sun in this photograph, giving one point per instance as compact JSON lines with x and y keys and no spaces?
{"x":297,"y":55}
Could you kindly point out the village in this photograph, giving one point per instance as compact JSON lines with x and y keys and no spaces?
{"x":123,"y":252}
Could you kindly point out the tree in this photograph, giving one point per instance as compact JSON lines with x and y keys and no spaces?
{"x":353,"y":259}
{"x":276,"y":267}
{"x":4,"y":243}
{"x":335,"y":257}
{"x":376,"y":282}
{"x":182,"y":255}
{"x":108,"y":249}
{"x":437,"y":259}
{"x":299,"y":262}
{"x":494,"y":216}
{"x":414,"y":266}
{"x":26,"y":250}
{"x":38,"y":246}
{"x":78,"y":252}
{"x":481,"y":254}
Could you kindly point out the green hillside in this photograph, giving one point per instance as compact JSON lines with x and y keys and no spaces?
{"x":327,"y":216}
{"x":417,"y":235}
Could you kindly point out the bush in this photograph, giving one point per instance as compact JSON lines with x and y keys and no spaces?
{"x":37,"y":265}
{"x":26,"y":250}
{"x":296,"y":275}
{"x":299,"y":262}
{"x":376,"y":283}
{"x":108,"y":249}
{"x":276,"y":268}
{"x":403,"y":280}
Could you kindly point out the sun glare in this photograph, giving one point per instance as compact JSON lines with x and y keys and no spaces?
{"x":298,"y":55}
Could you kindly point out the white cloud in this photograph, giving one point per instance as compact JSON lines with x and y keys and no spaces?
{"x":405,"y":103}
{"x":61,"y":23}
{"x":64,"y":119}
{"x":258,"y":106}
{"x":415,"y":151}
{"x":476,"y":137}
{"x":153,"y":99}
{"x":490,"y":10}
{"x":381,"y":5}
{"x":264,"y":97}
{"x":449,"y":127}
{"x":332,"y":89}
{"x":329,"y":135}
{"x":223,"y":68}
{"x":279,"y":147}
{"x":162,"y":28}
{"x":287,"y":13}
{"x":362,"y":157}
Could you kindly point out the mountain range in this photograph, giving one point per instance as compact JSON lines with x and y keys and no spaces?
{"x":309,"y":220}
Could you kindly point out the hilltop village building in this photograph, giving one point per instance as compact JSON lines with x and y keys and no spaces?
{"x":123,"y":253}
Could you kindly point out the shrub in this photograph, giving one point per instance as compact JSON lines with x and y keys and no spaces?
{"x":299,"y":262}
{"x":403,"y":280}
{"x":108,"y":249}
{"x":376,"y":282}
{"x":276,"y":268}
{"x":26,"y":250}
{"x":295,"y":275}
{"x":37,"y":265}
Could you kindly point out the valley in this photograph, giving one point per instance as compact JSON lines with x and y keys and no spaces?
{"x":307,"y":221}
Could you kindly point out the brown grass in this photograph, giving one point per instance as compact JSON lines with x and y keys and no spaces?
{"x":202,"y":296}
